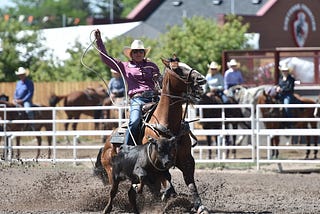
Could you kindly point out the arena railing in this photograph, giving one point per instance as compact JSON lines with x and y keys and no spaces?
{"x":257,"y":152}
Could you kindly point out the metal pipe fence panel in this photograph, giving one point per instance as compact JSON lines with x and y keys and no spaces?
{"x":256,"y":150}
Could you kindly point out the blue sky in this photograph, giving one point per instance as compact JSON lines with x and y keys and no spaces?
{"x":4,"y":3}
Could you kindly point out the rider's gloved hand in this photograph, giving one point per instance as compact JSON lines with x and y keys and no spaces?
{"x":97,"y":34}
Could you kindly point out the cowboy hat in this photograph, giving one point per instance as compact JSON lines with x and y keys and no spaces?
{"x":114,"y":71}
{"x":214,"y":65}
{"x":135,"y":45}
{"x":284,"y":68}
{"x":22,"y":70}
{"x":233,"y":62}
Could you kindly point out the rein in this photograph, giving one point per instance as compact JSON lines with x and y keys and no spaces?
{"x":184,"y":128}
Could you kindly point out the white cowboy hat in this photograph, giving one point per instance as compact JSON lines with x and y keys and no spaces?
{"x":22,"y":70}
{"x":214,"y":65}
{"x":233,"y":62}
{"x":114,"y":71}
{"x":284,"y":68}
{"x":135,"y":45}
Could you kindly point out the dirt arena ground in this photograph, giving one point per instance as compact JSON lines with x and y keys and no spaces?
{"x":63,"y":188}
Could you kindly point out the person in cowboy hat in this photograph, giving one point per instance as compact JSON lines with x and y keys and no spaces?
{"x":233,"y":75}
{"x":24,"y":91}
{"x":214,"y":79}
{"x":141,"y":76}
{"x":116,"y":85}
{"x":285,"y":90}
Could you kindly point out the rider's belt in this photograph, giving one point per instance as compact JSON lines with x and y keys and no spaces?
{"x":145,"y":94}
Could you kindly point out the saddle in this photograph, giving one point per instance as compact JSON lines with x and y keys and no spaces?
{"x":118,"y":135}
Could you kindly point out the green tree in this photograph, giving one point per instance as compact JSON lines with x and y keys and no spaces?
{"x":197,"y":42}
{"x":51,"y":13}
{"x":200,"y":41}
{"x":20,"y":47}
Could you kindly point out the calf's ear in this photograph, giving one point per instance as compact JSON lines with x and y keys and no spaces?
{"x":172,"y":139}
{"x":152,"y":140}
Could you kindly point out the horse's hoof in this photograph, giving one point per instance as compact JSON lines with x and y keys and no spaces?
{"x":137,"y":188}
{"x":202,"y":210}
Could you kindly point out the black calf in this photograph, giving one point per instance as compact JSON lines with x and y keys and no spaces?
{"x":144,"y":164}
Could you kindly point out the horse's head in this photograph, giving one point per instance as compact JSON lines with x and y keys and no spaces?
{"x":187,"y":80}
{"x":101,"y":91}
{"x":267,"y":98}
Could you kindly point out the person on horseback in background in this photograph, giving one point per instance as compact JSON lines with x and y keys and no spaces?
{"x":116,"y":85}
{"x":232,"y":77}
{"x":142,"y":77}
{"x":24,"y":92}
{"x":285,"y":90}
{"x":215,"y":83}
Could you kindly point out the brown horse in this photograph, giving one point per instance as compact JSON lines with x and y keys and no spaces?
{"x":266,"y":98}
{"x":87,"y":97}
{"x":111,"y":113}
{"x":180,"y":86}
{"x":212,"y":99}
{"x":22,"y":115}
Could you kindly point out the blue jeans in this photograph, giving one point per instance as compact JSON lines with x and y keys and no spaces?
{"x":30,"y":113}
{"x":223,"y":97}
{"x":288,"y":99}
{"x":135,"y":120}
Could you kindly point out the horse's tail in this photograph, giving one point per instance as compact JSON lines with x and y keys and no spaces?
{"x":99,"y":170}
{"x":54,"y":99}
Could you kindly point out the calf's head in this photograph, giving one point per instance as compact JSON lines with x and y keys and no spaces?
{"x":164,"y":153}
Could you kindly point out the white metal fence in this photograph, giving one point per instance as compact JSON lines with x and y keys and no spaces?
{"x":256,"y":152}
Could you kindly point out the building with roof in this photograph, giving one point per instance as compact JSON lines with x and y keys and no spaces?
{"x":280,"y":23}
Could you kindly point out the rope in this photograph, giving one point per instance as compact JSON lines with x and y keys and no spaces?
{"x":151,"y":161}
{"x":92,"y":42}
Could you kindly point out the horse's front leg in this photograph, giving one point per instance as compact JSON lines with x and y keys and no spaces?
{"x":187,"y":166}
{"x":308,"y":150}
{"x":66,"y":125}
{"x":234,"y":139}
{"x":74,"y":126}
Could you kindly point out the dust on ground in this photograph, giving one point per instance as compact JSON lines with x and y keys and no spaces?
{"x":64,"y":188}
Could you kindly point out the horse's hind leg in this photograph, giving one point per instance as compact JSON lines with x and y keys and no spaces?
{"x":209,"y":141}
{"x":49,"y":144}
{"x":18,"y":150}
{"x":315,"y":140}
{"x":39,"y":144}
